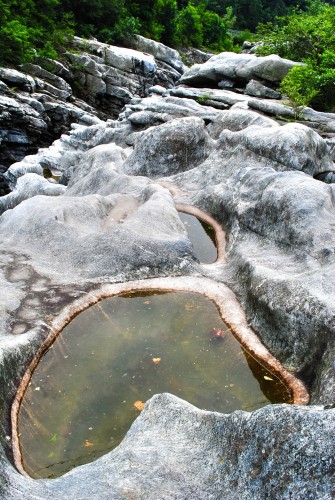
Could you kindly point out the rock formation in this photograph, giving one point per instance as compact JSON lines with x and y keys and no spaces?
{"x":40,"y":101}
{"x":113,"y":219}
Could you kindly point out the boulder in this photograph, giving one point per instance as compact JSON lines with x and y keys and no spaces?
{"x":54,"y":80}
{"x":14,"y":78}
{"x":167,"y":109}
{"x":159,"y":51}
{"x":290,"y":147}
{"x":170,"y":148}
{"x":226,"y":84}
{"x":48,"y":229}
{"x":237,"y":67}
{"x":96,"y":81}
{"x":29,"y":185}
{"x":269,"y":453}
{"x":195,"y":56}
{"x":238,"y":119}
{"x":214,"y":95}
{"x":257,"y":89}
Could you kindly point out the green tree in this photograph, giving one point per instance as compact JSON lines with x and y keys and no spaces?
{"x":189,"y":27}
{"x":94,"y":15}
{"x":31,"y":27}
{"x":121,"y":32}
{"x":309,"y":37}
{"x":166,"y":12}
{"x":214,"y":32}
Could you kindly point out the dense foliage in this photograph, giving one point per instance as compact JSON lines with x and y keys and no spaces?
{"x":40,"y":27}
{"x":309,"y":37}
{"x":28,"y":27}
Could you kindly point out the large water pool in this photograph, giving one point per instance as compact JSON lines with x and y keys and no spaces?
{"x":91,"y":384}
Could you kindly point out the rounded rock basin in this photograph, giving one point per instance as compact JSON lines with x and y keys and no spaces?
{"x":91,"y":384}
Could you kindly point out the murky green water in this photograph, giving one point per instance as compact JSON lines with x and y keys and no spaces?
{"x":85,"y":392}
{"x":202,"y":237}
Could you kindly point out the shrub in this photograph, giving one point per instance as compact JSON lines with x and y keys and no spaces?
{"x":189,"y":27}
{"x":308,"y":37}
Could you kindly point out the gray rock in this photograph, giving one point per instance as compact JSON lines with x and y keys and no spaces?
{"x":95,"y":84}
{"x":221,"y":96}
{"x":15,"y":78}
{"x":114,"y":223}
{"x":327,"y":177}
{"x":120,"y":58}
{"x":156,"y":89}
{"x":95,"y":161}
{"x":238,"y":119}
{"x":170,"y":148}
{"x":250,"y":47}
{"x":267,"y":454}
{"x":107,"y":78}
{"x":256,"y":89}
{"x":272,"y":108}
{"x":55,"y":67}
{"x":226,"y":84}
{"x":237,"y":67}
{"x":3,"y":87}
{"x":331,"y":146}
{"x":195,"y":56}
{"x":148,"y":118}
{"x":27,"y":186}
{"x":54,"y":80}
{"x":159,"y":51}
{"x":168,"y":109}
{"x":156,"y":229}
{"x":21,"y":127}
{"x":290,"y":147}
{"x":42,"y":85}
{"x":85,"y":63}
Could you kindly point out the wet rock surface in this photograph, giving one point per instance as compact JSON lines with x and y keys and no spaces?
{"x":269,"y":453}
{"x":113,"y":219}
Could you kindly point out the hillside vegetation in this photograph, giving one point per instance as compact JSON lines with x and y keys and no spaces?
{"x":41,"y":26}
{"x":31,"y":28}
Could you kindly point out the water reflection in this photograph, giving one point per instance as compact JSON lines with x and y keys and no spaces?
{"x":92,"y":383}
{"x":202,"y":237}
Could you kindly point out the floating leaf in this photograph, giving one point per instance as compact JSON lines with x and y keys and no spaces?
{"x":139,"y":405}
{"x":147,"y":302}
{"x":231,"y":385}
{"x":54,"y":438}
{"x":37,"y":388}
{"x":217,"y":334}
{"x":156,"y":361}
{"x":267,"y":378}
{"x":88,"y":443}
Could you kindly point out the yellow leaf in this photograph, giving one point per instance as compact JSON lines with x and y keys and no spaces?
{"x":139,"y":405}
{"x":267,"y":378}
{"x":156,"y":361}
{"x":88,"y":443}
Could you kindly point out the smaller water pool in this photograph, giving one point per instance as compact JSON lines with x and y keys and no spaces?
{"x":202,"y":237}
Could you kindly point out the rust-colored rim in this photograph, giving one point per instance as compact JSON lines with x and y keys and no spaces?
{"x":229,"y":308}
{"x":220,"y":235}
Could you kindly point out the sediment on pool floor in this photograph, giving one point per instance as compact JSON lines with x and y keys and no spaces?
{"x":165,"y":339}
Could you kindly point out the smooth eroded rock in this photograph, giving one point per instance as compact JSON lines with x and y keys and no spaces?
{"x":170,"y":148}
